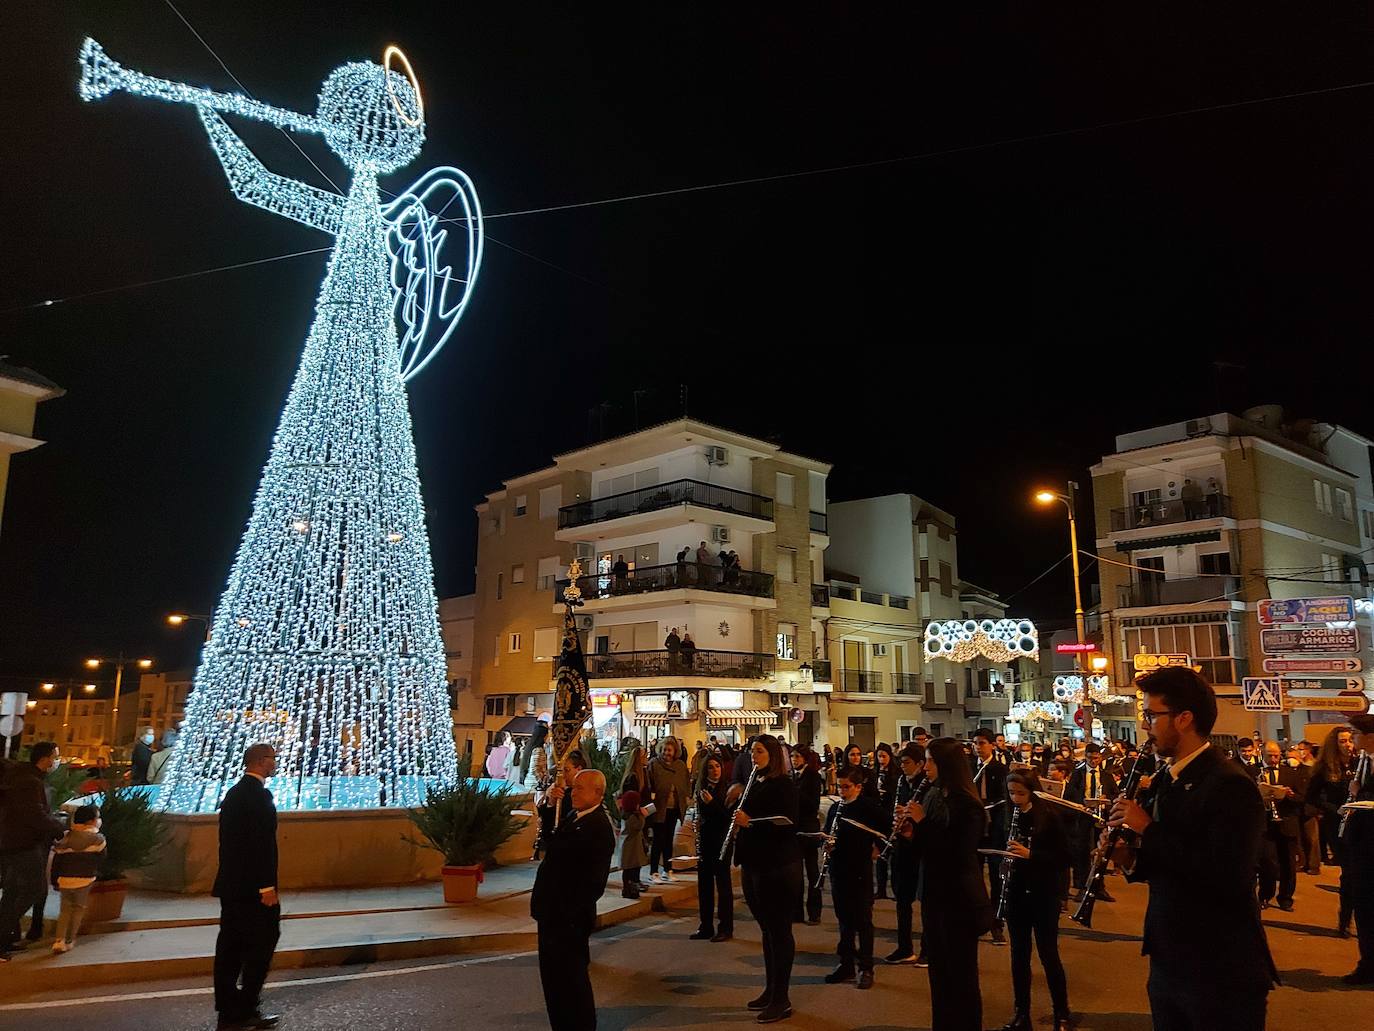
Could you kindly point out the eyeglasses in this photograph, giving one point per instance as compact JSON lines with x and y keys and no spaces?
{"x":1149,"y":715}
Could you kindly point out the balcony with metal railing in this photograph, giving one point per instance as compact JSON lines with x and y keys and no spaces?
{"x":860,"y":681}
{"x":698,"y":662}
{"x":821,"y":671}
{"x":673,"y":576}
{"x":1163,"y":513}
{"x":907,"y":684}
{"x":662,"y":496}
{"x":819,"y":522}
{"x":1152,"y":591}
{"x":820,"y":596}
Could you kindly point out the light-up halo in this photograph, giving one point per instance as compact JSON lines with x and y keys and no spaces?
{"x":414,"y":82}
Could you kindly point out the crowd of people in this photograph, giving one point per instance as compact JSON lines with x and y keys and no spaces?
{"x":984,"y":839}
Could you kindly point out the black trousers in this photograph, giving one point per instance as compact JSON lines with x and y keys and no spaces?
{"x":1364,"y":930}
{"x":565,"y":972}
{"x":880,"y":867}
{"x":248,"y":933}
{"x":905,"y":877}
{"x":771,"y":892}
{"x":661,"y":848}
{"x":21,"y":886}
{"x":1082,"y":838}
{"x":715,"y":895}
{"x":951,"y":941}
{"x":1181,"y":1000}
{"x":1040,"y":918}
{"x":852,"y":895}
{"x":1277,"y":869}
{"x":994,"y":864}
{"x":809,"y":899}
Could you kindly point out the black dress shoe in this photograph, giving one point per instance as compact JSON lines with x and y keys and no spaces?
{"x":921,"y":960}
{"x":774,"y":1013}
{"x":900,"y":956}
{"x":1102,"y":895}
{"x":761,"y":1003}
{"x":865,"y":980}
{"x":840,"y":974}
{"x":701,"y":935}
{"x":813,"y":921}
{"x":1019,"y":1022}
{"x":722,"y":936}
{"x":1358,"y":976}
{"x":1287,"y":907}
{"x":260,"y":1021}
{"x":1063,"y":1024}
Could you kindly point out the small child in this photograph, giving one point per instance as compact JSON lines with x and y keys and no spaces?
{"x":633,"y":855}
{"x":74,"y":864}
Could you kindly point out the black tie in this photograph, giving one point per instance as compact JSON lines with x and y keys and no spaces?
{"x":1162,"y":783}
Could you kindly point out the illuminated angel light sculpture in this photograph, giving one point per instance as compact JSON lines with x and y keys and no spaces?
{"x":1000,"y":640}
{"x":326,"y":640}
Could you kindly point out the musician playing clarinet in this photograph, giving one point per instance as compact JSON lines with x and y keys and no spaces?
{"x":1031,"y":889}
{"x":770,"y":870}
{"x":906,"y":857}
{"x":715,"y":893}
{"x":854,"y":827}
{"x":1196,"y":843}
{"x":1357,"y":846}
{"x":990,"y":781}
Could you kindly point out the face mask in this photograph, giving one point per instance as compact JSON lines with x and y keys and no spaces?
{"x":147,"y":739}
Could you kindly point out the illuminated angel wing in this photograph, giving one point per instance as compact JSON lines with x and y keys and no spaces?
{"x":430,"y":293}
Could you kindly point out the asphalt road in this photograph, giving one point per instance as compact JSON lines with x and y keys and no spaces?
{"x":648,"y":975}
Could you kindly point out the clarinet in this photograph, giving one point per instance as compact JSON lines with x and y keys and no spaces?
{"x":734,"y":827}
{"x":898,"y":825}
{"x":838,"y":810}
{"x":1352,"y":794}
{"x":1084,"y":913}
{"x":1005,"y":871}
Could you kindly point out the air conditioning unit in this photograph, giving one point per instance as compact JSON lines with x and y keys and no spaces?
{"x":717,"y":456}
{"x":720,"y":534}
{"x":879,"y":649}
{"x":1197,"y":427}
{"x":584,"y":622}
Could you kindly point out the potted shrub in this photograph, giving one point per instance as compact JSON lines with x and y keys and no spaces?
{"x":466,"y":825}
{"x":133,"y":835}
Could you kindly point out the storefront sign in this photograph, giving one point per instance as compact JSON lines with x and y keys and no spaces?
{"x":651,"y":704}
{"x":1310,"y":639}
{"x":1339,"y":609}
{"x":725,"y":699}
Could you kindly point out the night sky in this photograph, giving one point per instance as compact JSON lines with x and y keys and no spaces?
{"x":962,"y":326}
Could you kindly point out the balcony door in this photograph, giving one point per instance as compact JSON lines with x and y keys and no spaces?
{"x":1149,"y":576}
{"x":856,"y":655}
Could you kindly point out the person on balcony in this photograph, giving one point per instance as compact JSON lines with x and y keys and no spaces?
{"x":705,"y":560}
{"x":620,"y":575}
{"x":689,"y":650}
{"x":673,"y":643}
{"x":683,"y":557}
{"x":1192,"y":500}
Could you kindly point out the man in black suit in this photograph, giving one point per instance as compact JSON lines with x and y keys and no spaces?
{"x":1281,"y":784}
{"x":1197,"y":843}
{"x":246,"y":886}
{"x":570,"y":879}
{"x":1091,"y":779}
{"x":1247,"y":754}
{"x":990,"y":781}
{"x":851,"y":877}
{"x":1357,"y":840}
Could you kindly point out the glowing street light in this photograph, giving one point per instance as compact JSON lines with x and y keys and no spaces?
{"x":48,"y":687}
{"x":119,"y":665}
{"x":182,"y":618}
{"x":1068,"y":498}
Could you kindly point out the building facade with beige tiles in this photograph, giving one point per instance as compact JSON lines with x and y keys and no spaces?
{"x":1199,"y":521}
{"x":648,"y":516}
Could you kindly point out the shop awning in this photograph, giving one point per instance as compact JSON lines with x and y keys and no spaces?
{"x":656,"y":720}
{"x":764,"y":717}
{"x":520,"y":726}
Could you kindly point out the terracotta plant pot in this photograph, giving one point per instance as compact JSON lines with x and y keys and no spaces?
{"x":107,"y":900}
{"x":460,"y":883}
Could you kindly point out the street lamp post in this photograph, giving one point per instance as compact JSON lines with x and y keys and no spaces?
{"x":119,"y":665}
{"x":49,"y":688}
{"x":182,"y":618}
{"x":1069,"y":499}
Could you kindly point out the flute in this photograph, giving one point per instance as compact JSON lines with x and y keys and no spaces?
{"x":734,"y":827}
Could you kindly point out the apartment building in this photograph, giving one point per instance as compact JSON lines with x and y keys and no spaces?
{"x":456,"y":627}
{"x":162,"y":700}
{"x":648,"y":516}
{"x":21,"y":392}
{"x":892,"y":569}
{"x":1198,"y":521}
{"x":78,"y":716}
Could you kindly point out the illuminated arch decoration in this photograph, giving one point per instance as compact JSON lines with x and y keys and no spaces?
{"x":1069,"y":690}
{"x":326,"y":640}
{"x":1036,"y":711}
{"x":1000,"y":640}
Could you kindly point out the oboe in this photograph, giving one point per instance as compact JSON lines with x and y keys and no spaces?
{"x":1084,"y":913}
{"x":734,"y":827}
{"x":1005,"y":872}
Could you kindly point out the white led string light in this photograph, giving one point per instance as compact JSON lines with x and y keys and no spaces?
{"x":1000,"y":640}
{"x":1069,"y":689}
{"x":326,"y":641}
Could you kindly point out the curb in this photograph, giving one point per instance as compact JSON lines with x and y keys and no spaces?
{"x":37,"y":977}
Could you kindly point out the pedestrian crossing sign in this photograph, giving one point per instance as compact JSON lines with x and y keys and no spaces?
{"x":1262,"y":694}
